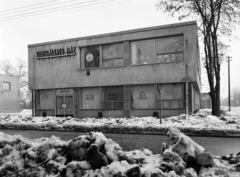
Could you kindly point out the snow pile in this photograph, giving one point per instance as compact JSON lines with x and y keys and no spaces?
{"x":199,"y":123}
{"x":95,"y":155}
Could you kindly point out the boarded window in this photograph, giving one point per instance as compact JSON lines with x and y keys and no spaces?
{"x":90,"y":98}
{"x":113,"y":97}
{"x":143,"y":97}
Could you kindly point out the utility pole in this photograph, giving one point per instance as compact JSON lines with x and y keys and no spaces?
{"x":229,"y":90}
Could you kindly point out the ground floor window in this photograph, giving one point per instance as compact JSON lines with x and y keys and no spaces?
{"x":90,"y":98}
{"x":172,"y":96}
{"x":46,"y":99}
{"x":113,"y":97}
{"x":143,"y":97}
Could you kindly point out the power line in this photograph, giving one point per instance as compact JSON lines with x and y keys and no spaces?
{"x":34,"y":8}
{"x":49,"y":10}
{"x":27,"y":6}
{"x":66,"y":11}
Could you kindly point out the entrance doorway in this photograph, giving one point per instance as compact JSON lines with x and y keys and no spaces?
{"x":64,"y":106}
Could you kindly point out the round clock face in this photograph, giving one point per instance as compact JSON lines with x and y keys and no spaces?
{"x":89,"y":57}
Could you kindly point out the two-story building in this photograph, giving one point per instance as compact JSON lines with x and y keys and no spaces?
{"x":119,"y":74}
{"x":9,"y":94}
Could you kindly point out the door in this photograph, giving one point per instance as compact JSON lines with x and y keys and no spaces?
{"x":64,"y":106}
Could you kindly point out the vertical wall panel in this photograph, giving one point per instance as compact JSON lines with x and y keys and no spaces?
{"x":126,"y":53}
{"x":127,"y":97}
{"x":76,"y":102}
{"x":38,"y":100}
{"x":127,"y":100}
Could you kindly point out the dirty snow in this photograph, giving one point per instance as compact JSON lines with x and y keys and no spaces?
{"x":227,"y":124}
{"x":15,"y":156}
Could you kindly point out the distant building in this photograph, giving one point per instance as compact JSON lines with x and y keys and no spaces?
{"x":206,"y":101}
{"x":234,"y":101}
{"x":9,"y":94}
{"x":117,"y":74}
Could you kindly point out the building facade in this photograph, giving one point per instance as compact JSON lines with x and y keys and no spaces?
{"x":131,"y":73}
{"x":9,"y":94}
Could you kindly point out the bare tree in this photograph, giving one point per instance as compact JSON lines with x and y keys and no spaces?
{"x":216,"y":19}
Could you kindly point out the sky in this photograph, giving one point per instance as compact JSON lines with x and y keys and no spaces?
{"x":77,"y":18}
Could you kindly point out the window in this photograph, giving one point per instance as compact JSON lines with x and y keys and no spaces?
{"x":113,"y":97}
{"x":143,"y":97}
{"x":90,"y":56}
{"x":113,"y":55}
{"x":6,"y":86}
{"x":172,"y":96}
{"x":90,"y":98}
{"x":143,"y":52}
{"x":170,"y":49}
{"x":46,"y":99}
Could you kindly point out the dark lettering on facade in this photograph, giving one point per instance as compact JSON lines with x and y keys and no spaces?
{"x":54,"y":53}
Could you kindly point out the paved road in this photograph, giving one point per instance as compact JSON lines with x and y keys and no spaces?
{"x":216,"y":145}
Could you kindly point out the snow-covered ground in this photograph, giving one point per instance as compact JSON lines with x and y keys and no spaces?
{"x":53,"y":157}
{"x":200,"y":123}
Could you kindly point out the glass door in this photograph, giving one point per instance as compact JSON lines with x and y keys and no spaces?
{"x":64,"y":106}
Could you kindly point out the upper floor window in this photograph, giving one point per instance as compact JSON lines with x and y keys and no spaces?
{"x":91,"y":56}
{"x":6,"y":86}
{"x":143,"y":52}
{"x":170,"y":49}
{"x":112,"y":55}
{"x":161,"y":50}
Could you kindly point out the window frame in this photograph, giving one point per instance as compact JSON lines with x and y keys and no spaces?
{"x":81,"y":98}
{"x":114,"y":58}
{"x":112,"y":101}
{"x":154,"y":92}
{"x":156,"y":50}
{"x":4,"y":86}
{"x":172,"y":100}
{"x":82,"y":57}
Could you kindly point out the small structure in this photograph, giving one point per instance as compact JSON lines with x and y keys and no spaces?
{"x":206,"y":101}
{"x":116,"y":74}
{"x":9,"y":94}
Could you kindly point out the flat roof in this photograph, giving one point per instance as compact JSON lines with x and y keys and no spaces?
{"x":5,"y":75}
{"x":117,"y":33}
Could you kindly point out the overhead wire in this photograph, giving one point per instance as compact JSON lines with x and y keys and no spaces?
{"x":28,"y":6}
{"x":24,"y":7}
{"x":50,"y":10}
{"x":104,"y":3}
